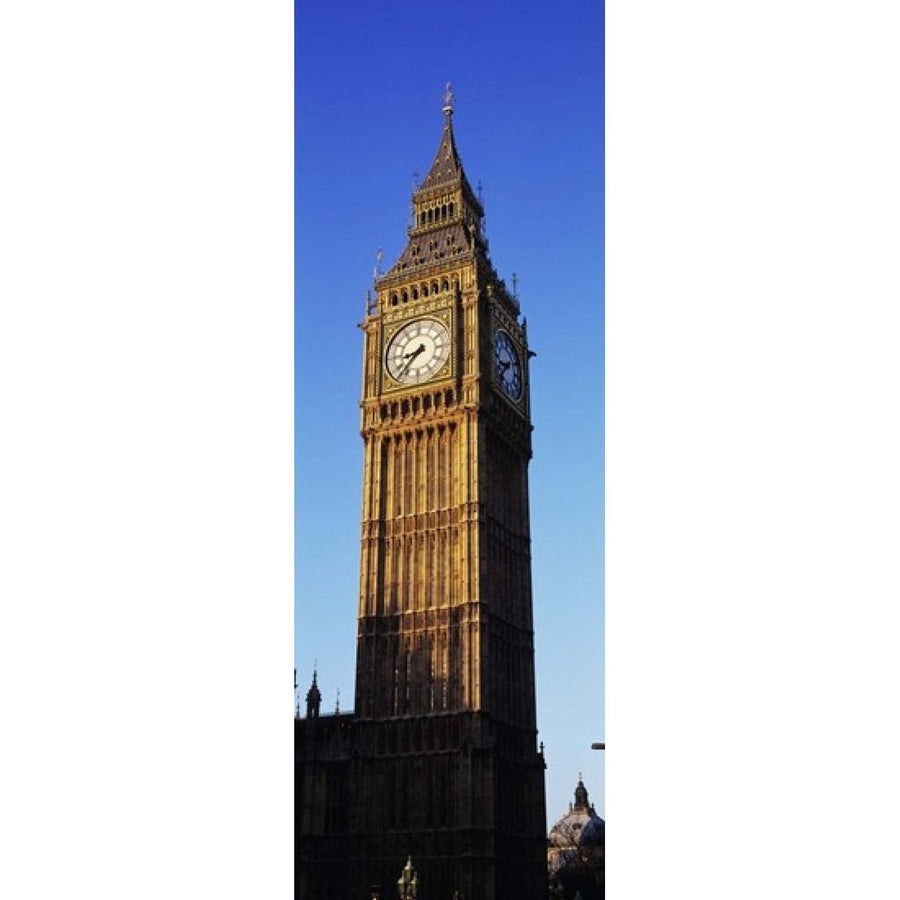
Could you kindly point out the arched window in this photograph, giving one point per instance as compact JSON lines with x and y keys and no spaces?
{"x":424,"y":290}
{"x":450,"y":209}
{"x":405,"y":297}
{"x":415,"y":293}
{"x":444,"y":211}
{"x":445,"y":284}
{"x":434,"y":287}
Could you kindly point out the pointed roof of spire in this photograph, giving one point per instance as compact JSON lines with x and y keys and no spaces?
{"x":314,"y":693}
{"x":447,"y":169}
{"x":581,"y":795}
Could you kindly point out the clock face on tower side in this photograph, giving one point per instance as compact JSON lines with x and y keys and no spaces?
{"x":417,"y":351}
{"x":507,"y":366}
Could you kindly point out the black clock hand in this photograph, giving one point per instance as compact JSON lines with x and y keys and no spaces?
{"x":412,"y":356}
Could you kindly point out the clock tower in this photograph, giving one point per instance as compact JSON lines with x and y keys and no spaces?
{"x":440,"y":756}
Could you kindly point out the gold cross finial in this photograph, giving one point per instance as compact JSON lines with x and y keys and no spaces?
{"x":448,"y":100}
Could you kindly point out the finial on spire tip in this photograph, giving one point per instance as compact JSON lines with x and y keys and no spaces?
{"x":448,"y":101}
{"x":376,"y":274}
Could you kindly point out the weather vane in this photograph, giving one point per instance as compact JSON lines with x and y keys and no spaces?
{"x":378,"y":257}
{"x":448,"y":100}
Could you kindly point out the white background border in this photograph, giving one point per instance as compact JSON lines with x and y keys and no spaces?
{"x":147,"y":476}
{"x":753,"y":446}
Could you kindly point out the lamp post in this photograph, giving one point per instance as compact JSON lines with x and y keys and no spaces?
{"x":598,"y":745}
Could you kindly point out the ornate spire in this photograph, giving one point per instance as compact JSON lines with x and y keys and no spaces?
{"x":408,"y":882}
{"x":313,"y":699}
{"x":446,"y":170}
{"x":443,"y":201}
{"x":581,"y":795}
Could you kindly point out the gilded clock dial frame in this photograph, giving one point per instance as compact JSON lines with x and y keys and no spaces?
{"x":507,"y":365}
{"x":418,"y":351}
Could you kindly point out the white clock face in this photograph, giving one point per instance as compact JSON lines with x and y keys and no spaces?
{"x":417,"y":351}
{"x":506,"y":365}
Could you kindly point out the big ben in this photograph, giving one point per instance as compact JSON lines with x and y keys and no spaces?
{"x":439,"y":760}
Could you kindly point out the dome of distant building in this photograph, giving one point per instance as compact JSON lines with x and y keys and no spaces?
{"x":580,"y":825}
{"x":594,"y":832}
{"x":576,"y":850}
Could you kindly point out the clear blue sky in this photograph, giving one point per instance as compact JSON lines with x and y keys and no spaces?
{"x":528,"y":83}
